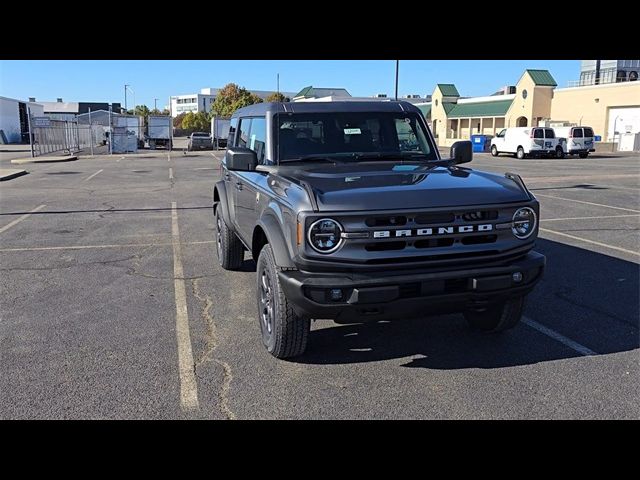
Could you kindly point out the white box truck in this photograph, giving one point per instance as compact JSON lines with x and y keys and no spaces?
{"x":159,"y":131}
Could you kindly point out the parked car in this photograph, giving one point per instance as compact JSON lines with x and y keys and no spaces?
{"x":200,"y":141}
{"x":576,"y":140}
{"x":351,"y":214}
{"x":527,"y":142}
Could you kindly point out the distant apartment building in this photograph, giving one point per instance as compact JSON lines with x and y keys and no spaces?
{"x":201,"y":102}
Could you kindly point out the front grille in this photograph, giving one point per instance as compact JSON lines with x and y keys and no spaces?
{"x":425,"y":258}
{"x":384,"y":246}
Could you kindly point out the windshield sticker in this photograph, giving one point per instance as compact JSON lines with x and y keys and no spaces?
{"x":352,"y":131}
{"x":404,"y":168}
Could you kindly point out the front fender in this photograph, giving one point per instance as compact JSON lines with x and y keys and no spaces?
{"x":222,"y":202}
{"x":275,"y":237}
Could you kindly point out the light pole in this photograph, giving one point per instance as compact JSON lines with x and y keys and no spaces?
{"x":155,"y":104}
{"x":125,"y":98}
{"x":397,"y":68}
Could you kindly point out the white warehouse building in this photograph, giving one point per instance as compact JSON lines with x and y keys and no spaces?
{"x":14,"y":123}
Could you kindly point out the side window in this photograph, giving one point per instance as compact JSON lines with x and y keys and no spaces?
{"x":502,"y":133}
{"x":588,"y":132}
{"x":258,"y":138}
{"x":243,"y":132}
{"x":549,"y":133}
{"x":577,"y":133}
{"x":538,"y":133}
{"x":233,"y":125}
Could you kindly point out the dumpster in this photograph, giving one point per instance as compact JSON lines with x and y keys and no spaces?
{"x":481,"y":143}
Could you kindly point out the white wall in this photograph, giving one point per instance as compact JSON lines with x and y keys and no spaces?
{"x":10,"y":119}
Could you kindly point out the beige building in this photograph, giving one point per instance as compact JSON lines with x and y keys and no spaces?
{"x":533,"y":100}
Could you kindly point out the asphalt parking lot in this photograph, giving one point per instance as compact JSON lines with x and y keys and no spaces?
{"x":113,"y":306}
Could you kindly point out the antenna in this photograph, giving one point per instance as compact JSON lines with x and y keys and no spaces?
{"x":397,"y":68}
{"x":278,"y":119}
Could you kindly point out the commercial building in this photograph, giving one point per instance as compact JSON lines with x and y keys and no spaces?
{"x":14,"y":121}
{"x":324,"y":94}
{"x":201,"y":102}
{"x":60,"y":110}
{"x":596,"y":72}
{"x":534,"y":100}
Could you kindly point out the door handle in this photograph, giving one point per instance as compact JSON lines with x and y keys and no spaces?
{"x":238,"y":186}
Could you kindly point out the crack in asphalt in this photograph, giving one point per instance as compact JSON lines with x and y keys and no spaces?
{"x":211,"y":341}
{"x":72,"y":265}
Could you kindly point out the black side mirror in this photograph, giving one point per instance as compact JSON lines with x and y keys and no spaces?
{"x":461,"y":152}
{"x":242,"y":159}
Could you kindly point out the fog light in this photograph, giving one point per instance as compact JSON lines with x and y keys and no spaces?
{"x":517,"y":277}
{"x":335,"y":294}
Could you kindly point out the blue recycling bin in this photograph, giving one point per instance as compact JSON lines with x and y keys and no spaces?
{"x":481,"y":143}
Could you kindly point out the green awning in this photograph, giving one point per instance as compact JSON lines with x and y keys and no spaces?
{"x":480,"y":109}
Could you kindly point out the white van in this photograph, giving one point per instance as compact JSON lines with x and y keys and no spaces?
{"x":527,"y":142}
{"x":576,"y":140}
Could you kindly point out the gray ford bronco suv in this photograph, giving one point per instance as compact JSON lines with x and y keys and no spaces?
{"x":352,"y":215}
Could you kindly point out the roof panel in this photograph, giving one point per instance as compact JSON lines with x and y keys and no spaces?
{"x":448,"y":89}
{"x":542,"y":78}
{"x":481,"y":109}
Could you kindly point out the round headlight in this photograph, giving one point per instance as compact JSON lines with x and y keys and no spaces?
{"x":324,"y":235}
{"x":523,"y":223}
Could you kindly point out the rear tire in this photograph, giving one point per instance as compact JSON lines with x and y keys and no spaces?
{"x":284,"y":333}
{"x":559,"y":152}
{"x":228,"y":246}
{"x":583,"y":155}
{"x":494,"y":151}
{"x":520,"y":153}
{"x":497,"y":318}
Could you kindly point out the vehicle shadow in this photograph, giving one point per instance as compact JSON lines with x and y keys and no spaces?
{"x":586,"y":296}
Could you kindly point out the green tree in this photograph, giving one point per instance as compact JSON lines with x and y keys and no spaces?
{"x":232,"y":97}
{"x":166,"y":111}
{"x":276,"y":97}
{"x":155,"y":111}
{"x":177,"y":122}
{"x":196,"y":122}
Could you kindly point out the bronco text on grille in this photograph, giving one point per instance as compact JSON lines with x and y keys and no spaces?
{"x":351,"y":214}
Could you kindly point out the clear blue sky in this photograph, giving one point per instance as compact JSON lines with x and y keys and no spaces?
{"x":103,"y":80}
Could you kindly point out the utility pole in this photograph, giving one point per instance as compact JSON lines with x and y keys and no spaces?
{"x":155,"y":104}
{"x":125,"y":98}
{"x":397,"y":68}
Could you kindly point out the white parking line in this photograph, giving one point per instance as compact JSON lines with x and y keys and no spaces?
{"x":188,"y":385}
{"x":170,"y":173}
{"x":590,"y":218}
{"x":586,"y":203}
{"x":91,"y":176}
{"x":84,"y":247}
{"x":604,"y":245}
{"x":168,"y":157}
{"x":581,"y":349}
{"x":23,"y":217}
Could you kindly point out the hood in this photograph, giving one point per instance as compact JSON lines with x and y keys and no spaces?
{"x":389,"y":186}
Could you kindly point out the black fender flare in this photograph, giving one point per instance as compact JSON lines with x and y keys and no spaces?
{"x":275,"y":237}
{"x":222,"y":201}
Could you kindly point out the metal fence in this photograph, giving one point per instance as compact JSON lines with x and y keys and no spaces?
{"x":59,"y":136}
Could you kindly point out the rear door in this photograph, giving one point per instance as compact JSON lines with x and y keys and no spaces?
{"x":577,"y":138}
{"x":537,"y":139}
{"x":588,"y":138}
{"x":550,"y":140}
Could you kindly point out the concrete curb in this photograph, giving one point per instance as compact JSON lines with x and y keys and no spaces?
{"x":20,"y":161}
{"x":9,"y":173}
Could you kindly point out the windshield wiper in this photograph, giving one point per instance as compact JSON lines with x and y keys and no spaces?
{"x":314,"y":157}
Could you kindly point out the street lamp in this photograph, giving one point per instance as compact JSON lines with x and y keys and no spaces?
{"x":125,"y":97}
{"x":155,"y":104}
{"x":126,"y":85}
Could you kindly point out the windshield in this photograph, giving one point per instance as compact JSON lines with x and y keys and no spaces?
{"x":352,"y":134}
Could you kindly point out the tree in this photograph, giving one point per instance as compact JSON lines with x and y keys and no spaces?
{"x":177,"y":122}
{"x":155,"y":111}
{"x":276,"y":97}
{"x":232,"y":97}
{"x":196,"y":122}
{"x":166,"y":111}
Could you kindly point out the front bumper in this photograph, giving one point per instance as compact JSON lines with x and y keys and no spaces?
{"x":378,"y":296}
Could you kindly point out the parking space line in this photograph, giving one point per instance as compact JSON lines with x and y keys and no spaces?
{"x":170,"y":173}
{"x":23,"y":217}
{"x":590,"y":218}
{"x":581,"y":349}
{"x":188,"y":385}
{"x":586,"y":203}
{"x":85,"y":247}
{"x":604,"y":245}
{"x":91,"y":176}
{"x":168,"y":157}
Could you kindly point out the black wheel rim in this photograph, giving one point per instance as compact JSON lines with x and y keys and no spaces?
{"x":266,"y":301}
{"x":219,"y":237}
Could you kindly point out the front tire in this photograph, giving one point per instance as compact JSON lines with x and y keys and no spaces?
{"x":497,"y":318}
{"x":494,"y":151}
{"x":520,"y":153}
{"x":284,"y":333}
{"x":228,"y":246}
